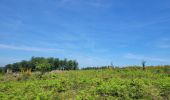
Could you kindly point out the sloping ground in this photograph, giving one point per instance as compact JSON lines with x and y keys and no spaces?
{"x":108,"y":84}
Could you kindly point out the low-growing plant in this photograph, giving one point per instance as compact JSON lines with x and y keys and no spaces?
{"x":105,"y":84}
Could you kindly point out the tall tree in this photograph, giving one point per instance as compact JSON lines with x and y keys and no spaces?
{"x":43,"y":66}
{"x":51,"y":62}
{"x":56,"y":64}
{"x":75,"y":63}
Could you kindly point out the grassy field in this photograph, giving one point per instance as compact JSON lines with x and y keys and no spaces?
{"x":105,"y":84}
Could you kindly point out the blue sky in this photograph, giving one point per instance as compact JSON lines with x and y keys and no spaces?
{"x":94,"y":32}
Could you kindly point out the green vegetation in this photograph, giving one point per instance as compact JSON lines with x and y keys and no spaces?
{"x":43,"y":64}
{"x":101,"y":84}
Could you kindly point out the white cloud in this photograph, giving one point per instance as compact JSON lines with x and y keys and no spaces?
{"x":27,"y":48}
{"x":146,"y":58}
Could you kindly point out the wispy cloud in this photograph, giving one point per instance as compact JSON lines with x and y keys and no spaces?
{"x":27,"y":48}
{"x":142,"y":57}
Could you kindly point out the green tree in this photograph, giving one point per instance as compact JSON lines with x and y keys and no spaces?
{"x":25,"y":65}
{"x":56,"y":64}
{"x":43,"y":66}
{"x":61,"y":67}
{"x":65,"y":64}
{"x":16,"y":67}
{"x":70,"y":65}
{"x":36,"y":62}
{"x":51,"y":61}
{"x":2,"y":69}
{"x":75,"y":63}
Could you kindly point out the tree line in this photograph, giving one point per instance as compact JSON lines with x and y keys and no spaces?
{"x":43,"y":64}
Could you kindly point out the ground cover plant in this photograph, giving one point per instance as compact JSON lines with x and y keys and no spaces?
{"x":97,"y":84}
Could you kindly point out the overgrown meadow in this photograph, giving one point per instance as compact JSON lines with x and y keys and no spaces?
{"x":102,"y":84}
